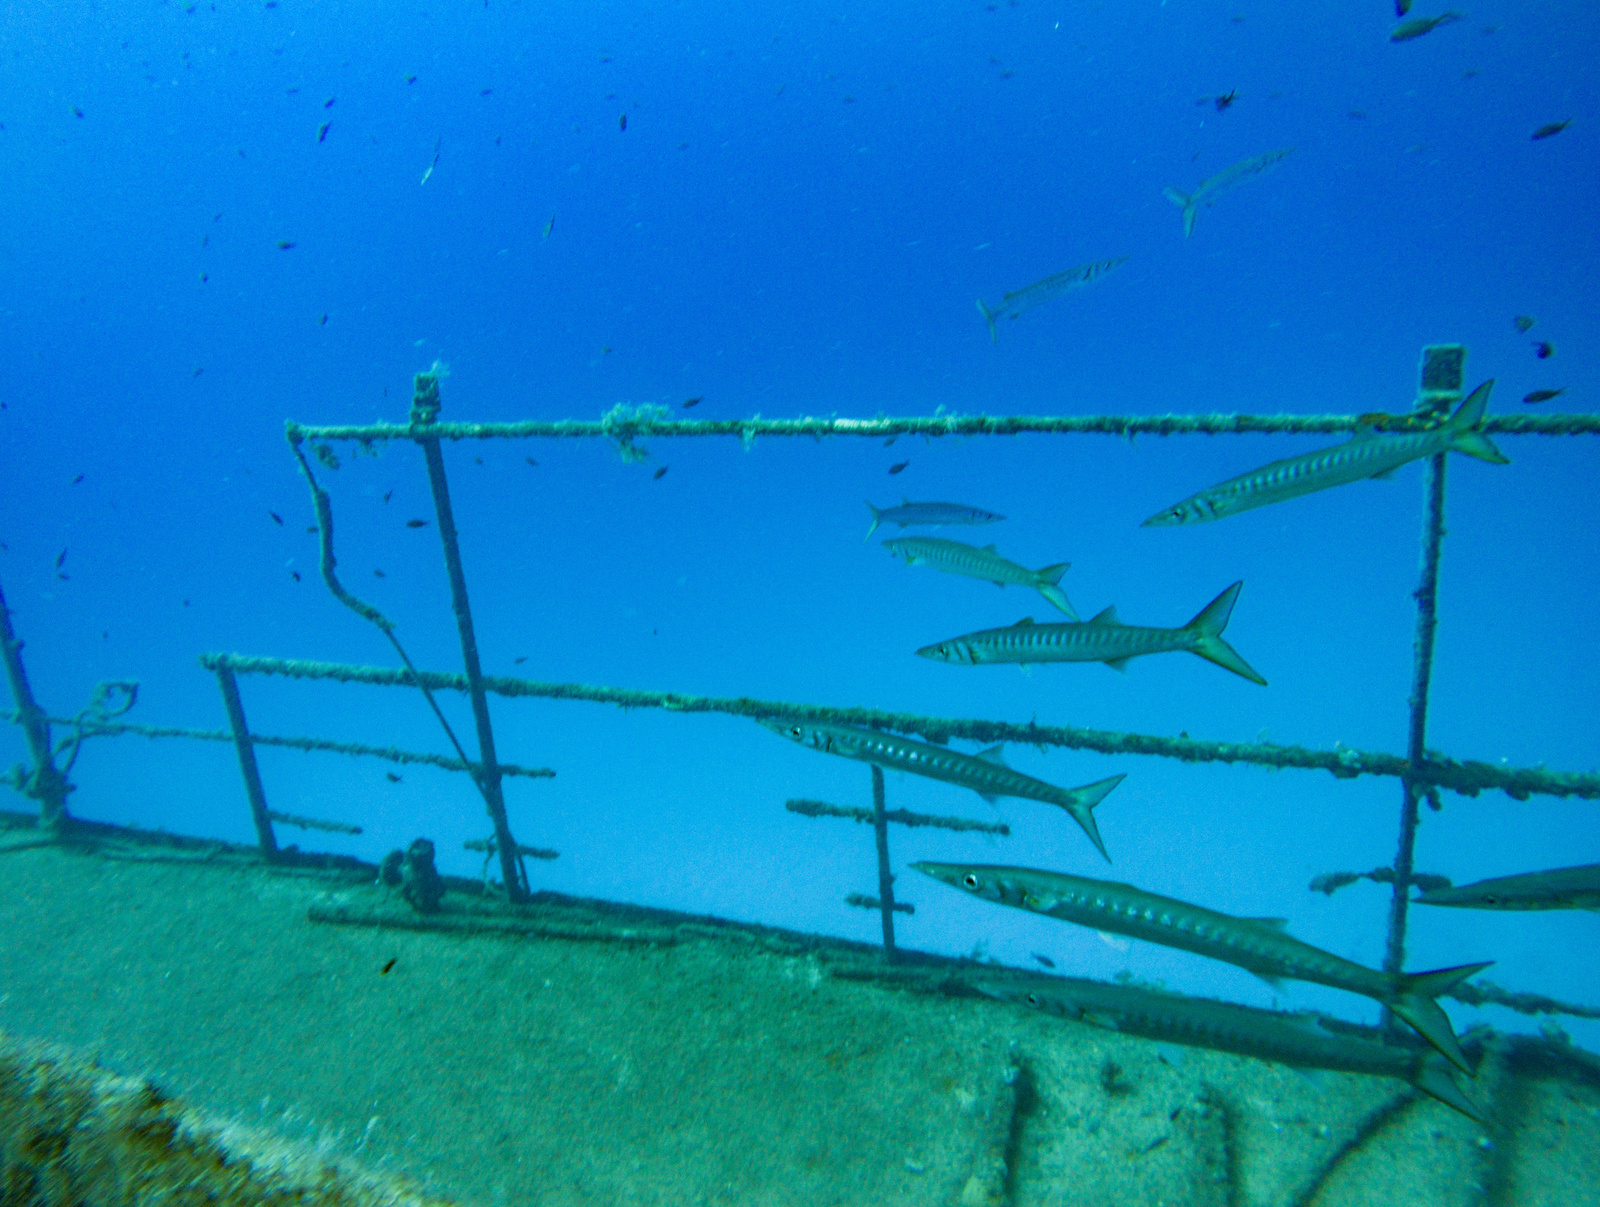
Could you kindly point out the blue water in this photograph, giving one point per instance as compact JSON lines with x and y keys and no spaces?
{"x":797,"y":219}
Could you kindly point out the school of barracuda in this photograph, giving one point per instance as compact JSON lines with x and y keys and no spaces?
{"x":1261,"y":945}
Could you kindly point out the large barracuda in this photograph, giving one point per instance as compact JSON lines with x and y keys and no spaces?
{"x":1102,"y":639}
{"x":984,"y":773}
{"x":934,"y":514}
{"x":1257,"y":944}
{"x":1560,"y":888}
{"x":1289,"y":1039}
{"x":955,"y":558}
{"x":1369,"y":454}
{"x":1206,"y":194}
{"x":1014,"y":304}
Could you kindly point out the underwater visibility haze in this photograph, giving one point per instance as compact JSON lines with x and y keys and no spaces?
{"x":222,"y":217}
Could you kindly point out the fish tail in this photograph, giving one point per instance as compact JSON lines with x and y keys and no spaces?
{"x":1207,"y":629}
{"x":1433,"y":1078}
{"x":988,"y":317}
{"x":877,"y":518}
{"x":1048,"y":579}
{"x":1463,"y":424}
{"x":1081,"y":803}
{"x":1187,"y":203}
{"x":1414,"y":1003}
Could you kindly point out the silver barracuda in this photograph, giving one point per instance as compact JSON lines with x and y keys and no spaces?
{"x":1560,"y":888}
{"x":933,"y":514}
{"x":1257,"y":944}
{"x":1014,"y":304}
{"x":1289,"y":1039}
{"x":955,"y":558}
{"x":984,"y":773}
{"x":1102,"y":639}
{"x":1206,"y":194}
{"x":1368,"y":454}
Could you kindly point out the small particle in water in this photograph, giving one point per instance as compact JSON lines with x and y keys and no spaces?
{"x":387,"y":495}
{"x":622,"y":122}
{"x":416,"y":523}
{"x":530,"y":461}
{"x":899,"y":467}
{"x":479,"y":460}
{"x":1544,"y":350}
{"x":295,"y":574}
{"x":198,"y":371}
{"x":78,"y":479}
{"x":60,"y":558}
{"x":384,"y":971}
{"x":323,"y":321}
{"x":1045,"y":960}
{"x":549,"y":226}
{"x":311,"y":528}
{"x":1542,"y":395}
{"x":485,"y":91}
{"x":186,"y":603}
{"x":657,"y":476}
{"x":411,"y":79}
{"x":322,"y":131}
{"x":77,"y":112}
{"x":692,"y":402}
{"x":1551,"y":130}
{"x":392,"y":777}
{"x":1524,"y":323}
{"x":519,"y":661}
{"x":328,"y":104}
{"x":380,"y":574}
{"x":276,"y":518}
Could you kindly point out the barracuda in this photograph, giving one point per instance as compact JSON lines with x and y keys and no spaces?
{"x":1290,"y":1039}
{"x":984,"y":773}
{"x":1257,"y":944}
{"x":955,"y":558}
{"x":1102,"y":639}
{"x":1560,"y":888}
{"x":1015,"y":303}
{"x":1368,"y":454}
{"x":934,"y":514}
{"x":1209,"y":189}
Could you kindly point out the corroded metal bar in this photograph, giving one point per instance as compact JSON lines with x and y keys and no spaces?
{"x":633,"y":425}
{"x":259,"y":813}
{"x":46,"y":784}
{"x":899,"y":817}
{"x":424,"y":409}
{"x":880,"y":830}
{"x":1466,"y":777}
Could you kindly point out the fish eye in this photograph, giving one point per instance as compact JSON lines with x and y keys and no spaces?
{"x":1033,"y":999}
{"x":1491,"y":899}
{"x":970,"y":880}
{"x":794,"y":731}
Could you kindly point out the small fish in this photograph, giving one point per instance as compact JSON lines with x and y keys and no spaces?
{"x":60,"y":558}
{"x":1209,"y":189}
{"x":1226,"y":99}
{"x":519,"y":661}
{"x":693,"y":402}
{"x":276,"y":518}
{"x":1542,"y":395}
{"x":286,"y":245}
{"x":322,"y":131}
{"x":485,"y":91}
{"x":1259,"y":945}
{"x":1523,"y":323}
{"x":385,"y":969}
{"x":531,"y":461}
{"x":1544,"y":349}
{"x":1045,"y":960}
{"x":1102,"y":639}
{"x":387,"y":495}
{"x":549,"y":226}
{"x":435,"y":161}
{"x":659,"y":474}
{"x":1551,"y":130}
{"x":1561,"y":888}
{"x":1364,"y":455}
{"x":622,"y":122}
{"x":1017,"y":302}
{"x":898,"y":467}
{"x":198,"y":371}
{"x":1268,"y":1035}
{"x":1406,"y":31}
{"x":934,"y":514}
{"x":78,"y":479}
{"x":955,"y":558}
{"x":986,"y":773}
{"x":379,"y":574}
{"x":295,"y":574}
{"x":77,"y":112}
{"x":416,"y":523}
{"x":411,"y":79}
{"x":323,"y":321}
{"x":328,"y":104}
{"x":392,"y":777}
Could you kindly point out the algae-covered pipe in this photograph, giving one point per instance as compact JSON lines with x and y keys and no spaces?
{"x":248,"y":768}
{"x":424,"y":411}
{"x":46,"y":785}
{"x":880,"y":829}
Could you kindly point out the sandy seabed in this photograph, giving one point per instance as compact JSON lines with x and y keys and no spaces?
{"x":574,"y":1053}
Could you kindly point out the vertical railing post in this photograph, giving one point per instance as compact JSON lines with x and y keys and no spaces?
{"x":246,"y":749}
{"x":1441,"y":385}
{"x":46,"y":784}
{"x":424,"y":411}
{"x":880,"y":829}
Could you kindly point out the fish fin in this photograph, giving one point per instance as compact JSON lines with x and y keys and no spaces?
{"x":1433,"y":1078}
{"x":1081,"y":805}
{"x":1463,"y":424}
{"x":1272,"y":982}
{"x":1050,"y":575}
{"x":1026,"y":620}
{"x":1386,"y":475}
{"x":989,"y":798}
{"x":988,"y":317}
{"x":1057,"y":596}
{"x":1107,"y":1022}
{"x":1181,"y":200}
{"x":1207,"y":628}
{"x":989,"y":549}
{"x":1105,"y":616}
{"x":995,"y":755}
{"x":1187,"y":203}
{"x":876,"y":520}
{"x":1414,"y":1003}
{"x":1118,"y":664}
